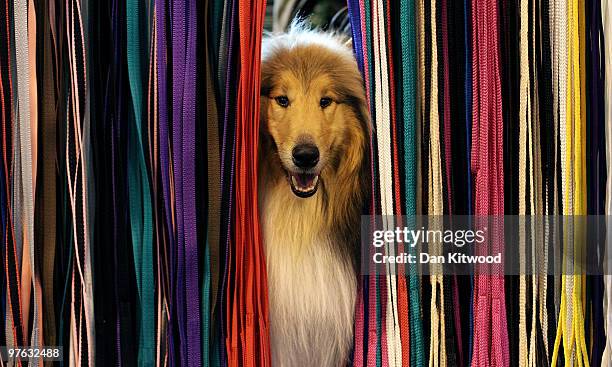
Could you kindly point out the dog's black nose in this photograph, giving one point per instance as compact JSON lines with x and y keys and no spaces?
{"x":306,"y":155}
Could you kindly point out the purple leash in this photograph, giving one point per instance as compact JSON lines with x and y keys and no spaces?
{"x":178,"y":83}
{"x":194,"y":342}
{"x":183,"y":97}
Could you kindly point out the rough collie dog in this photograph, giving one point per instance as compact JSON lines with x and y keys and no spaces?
{"x":313,"y":175}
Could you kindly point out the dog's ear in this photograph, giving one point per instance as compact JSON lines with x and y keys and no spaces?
{"x":349,"y":84}
{"x":360,"y":107}
{"x":264,"y":100}
{"x":364,"y":116}
{"x":264,"y":96}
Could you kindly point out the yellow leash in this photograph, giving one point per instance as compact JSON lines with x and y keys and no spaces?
{"x":571,"y":317}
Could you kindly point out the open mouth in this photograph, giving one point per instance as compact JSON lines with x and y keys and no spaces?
{"x":303,"y":185}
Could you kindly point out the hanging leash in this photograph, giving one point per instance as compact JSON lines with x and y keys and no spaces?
{"x":596,"y":174}
{"x":183,"y":140}
{"x":139,"y":188}
{"x":383,"y":134}
{"x":47,"y":204}
{"x":160,"y":235}
{"x":6,"y":329}
{"x":25,"y":33}
{"x":227,"y":178}
{"x":82,"y":327}
{"x":409,"y":113}
{"x":249,"y":326}
{"x":14,"y":326}
{"x":163,"y":59}
{"x":359,"y":349}
{"x":606,"y":20}
{"x":402,"y":320}
{"x":211,"y":255}
{"x":548,"y":169}
{"x":437,"y":348}
{"x":450,"y":294}
{"x":525,"y":143}
{"x":490,"y":345}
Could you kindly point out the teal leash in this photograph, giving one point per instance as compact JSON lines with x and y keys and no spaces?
{"x":205,"y":309}
{"x":409,"y":60}
{"x":139,"y":191}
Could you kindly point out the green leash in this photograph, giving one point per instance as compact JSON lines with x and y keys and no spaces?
{"x":409,"y":60}
{"x":139,"y":190}
{"x":205,"y":309}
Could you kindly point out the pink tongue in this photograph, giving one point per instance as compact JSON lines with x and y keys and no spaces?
{"x":304,"y":180}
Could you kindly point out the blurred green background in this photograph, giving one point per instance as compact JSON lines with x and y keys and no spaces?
{"x":325,"y":14}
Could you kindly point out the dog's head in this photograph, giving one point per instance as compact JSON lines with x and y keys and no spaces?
{"x":313,"y":108}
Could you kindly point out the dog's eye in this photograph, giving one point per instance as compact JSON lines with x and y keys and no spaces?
{"x":282,"y":101}
{"x":325,"y":102}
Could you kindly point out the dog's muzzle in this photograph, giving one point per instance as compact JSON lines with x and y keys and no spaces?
{"x":305,"y":182}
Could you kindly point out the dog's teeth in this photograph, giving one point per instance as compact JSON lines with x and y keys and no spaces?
{"x":300,"y":188}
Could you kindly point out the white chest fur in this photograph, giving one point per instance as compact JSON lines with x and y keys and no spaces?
{"x":312,"y":290}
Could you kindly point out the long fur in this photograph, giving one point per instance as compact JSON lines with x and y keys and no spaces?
{"x":312,"y":243}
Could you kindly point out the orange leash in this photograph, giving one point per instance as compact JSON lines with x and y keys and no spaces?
{"x":248,"y":328}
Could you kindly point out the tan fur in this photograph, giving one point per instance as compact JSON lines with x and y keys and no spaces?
{"x":311,"y":243}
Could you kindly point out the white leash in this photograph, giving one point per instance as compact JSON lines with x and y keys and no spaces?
{"x":383,"y":135}
{"x":25,"y":189}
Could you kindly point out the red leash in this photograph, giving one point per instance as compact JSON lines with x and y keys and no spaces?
{"x":248,"y":322}
{"x":490,"y":329}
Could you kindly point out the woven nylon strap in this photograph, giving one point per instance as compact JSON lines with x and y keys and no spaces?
{"x":25,"y":50}
{"x":139,"y":195}
{"x":468,"y":135}
{"x":593,"y":294}
{"x":47,"y":176}
{"x":14,"y":325}
{"x":490,"y":346}
{"x":183,"y":145}
{"x":211,"y":267}
{"x":401,"y":311}
{"x":548,"y":144}
{"x":437,"y":347}
{"x":374,"y":288}
{"x":606,"y":20}
{"x":571,"y":321}
{"x":81,"y":311}
{"x":160,"y":237}
{"x":383,"y":133}
{"x":525,"y":175}
{"x":360,"y":309}
{"x":163,"y":58}
{"x":409,"y":113}
{"x":119,"y":191}
{"x":5,"y":119}
{"x":248,"y":340}
{"x":228,"y":164}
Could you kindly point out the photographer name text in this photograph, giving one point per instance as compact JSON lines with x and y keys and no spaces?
{"x":425,"y":258}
